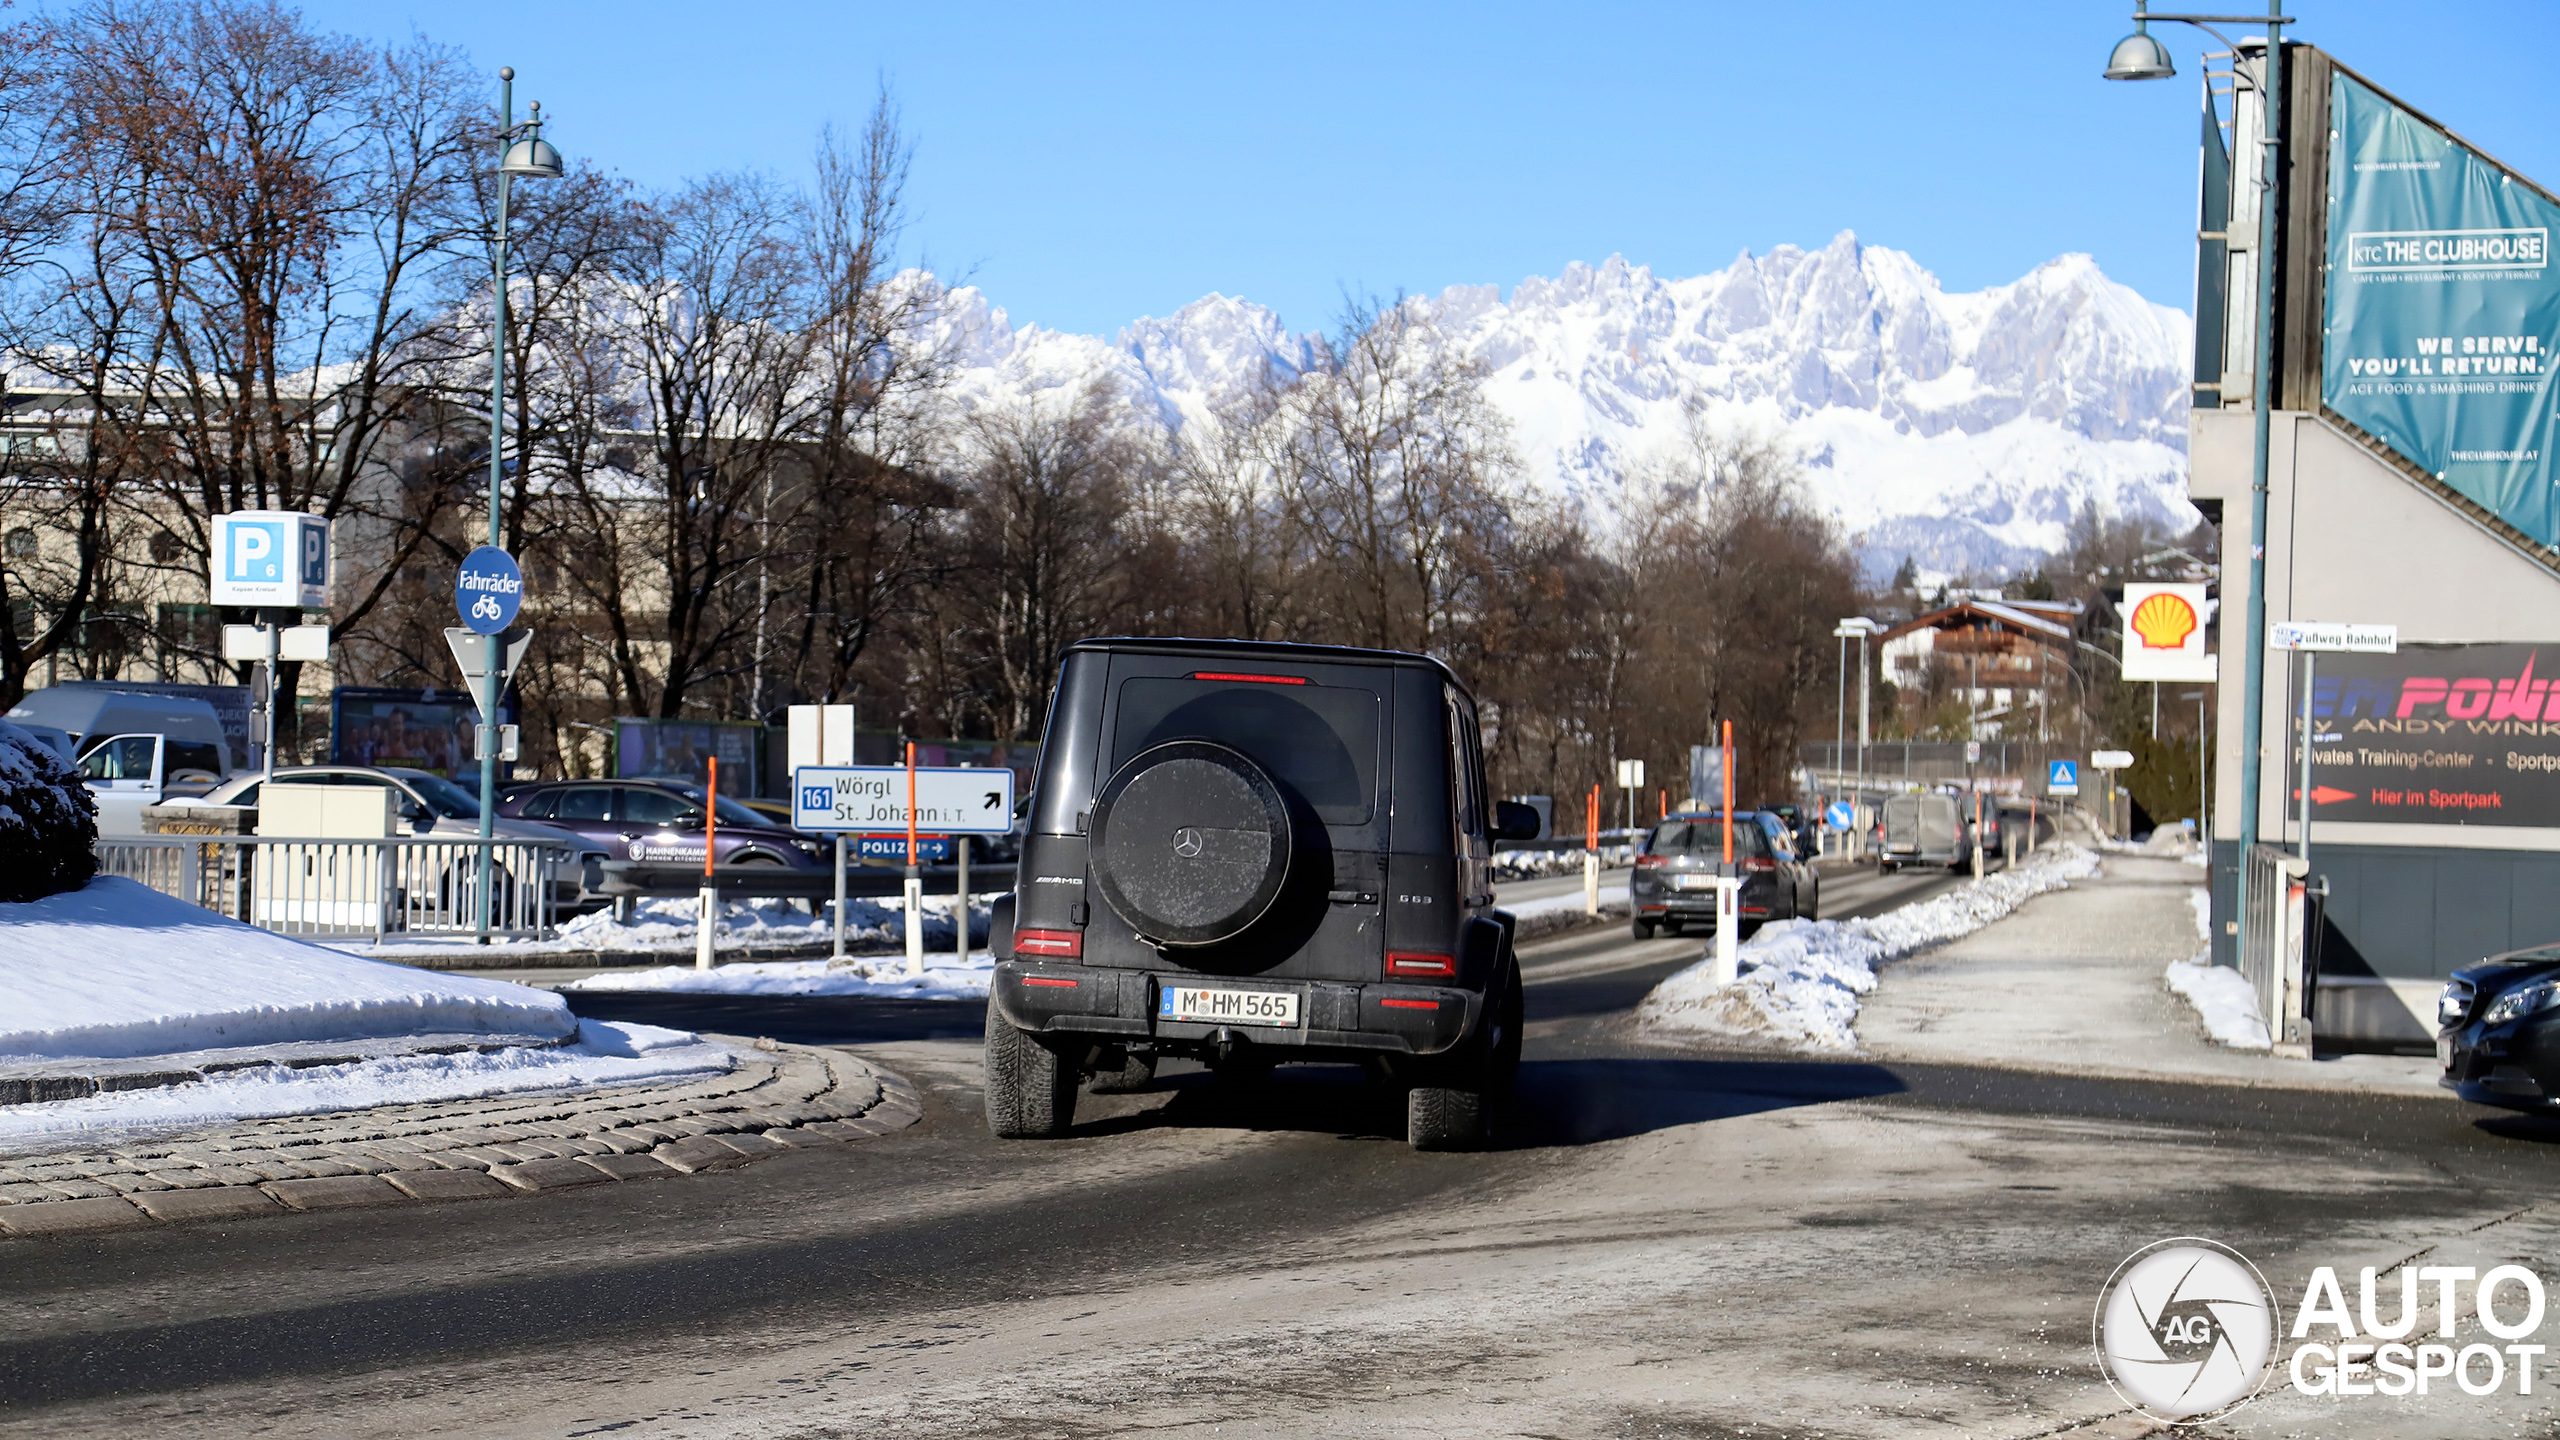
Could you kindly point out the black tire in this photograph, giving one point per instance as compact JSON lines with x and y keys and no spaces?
{"x":1812,"y":908}
{"x":1459,"y":1116}
{"x":1031,"y":1088}
{"x":1644,"y":929}
{"x":1134,"y":1073}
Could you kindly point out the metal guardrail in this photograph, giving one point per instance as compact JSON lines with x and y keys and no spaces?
{"x":2273,"y":949}
{"x":652,"y":880}
{"x":342,"y":888}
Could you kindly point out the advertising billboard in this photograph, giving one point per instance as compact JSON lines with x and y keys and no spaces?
{"x":682,"y":749}
{"x":2436,"y":735}
{"x":2442,"y":308}
{"x":409,"y":729}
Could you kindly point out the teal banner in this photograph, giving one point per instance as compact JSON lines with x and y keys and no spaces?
{"x":2443,"y":310}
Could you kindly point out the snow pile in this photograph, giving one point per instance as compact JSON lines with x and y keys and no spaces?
{"x":116,"y":969}
{"x":2223,"y":998}
{"x":1802,"y":979}
{"x":1532,"y":864}
{"x":48,"y":820}
{"x":605,"y":1053}
{"x":880,"y":976}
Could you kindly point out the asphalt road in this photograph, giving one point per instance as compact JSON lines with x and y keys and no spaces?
{"x":1667,"y":1242}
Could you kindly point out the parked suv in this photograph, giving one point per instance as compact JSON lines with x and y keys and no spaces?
{"x":1248,"y":854}
{"x":1674,"y":880}
{"x":661,"y":820}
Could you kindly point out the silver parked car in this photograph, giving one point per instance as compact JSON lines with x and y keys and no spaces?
{"x":429,"y":804}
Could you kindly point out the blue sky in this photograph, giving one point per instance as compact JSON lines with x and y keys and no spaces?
{"x":1089,"y":164}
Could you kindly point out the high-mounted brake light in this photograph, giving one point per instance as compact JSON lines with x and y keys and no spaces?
{"x":1058,"y":944}
{"x":1249,"y":679}
{"x":1405,"y":962}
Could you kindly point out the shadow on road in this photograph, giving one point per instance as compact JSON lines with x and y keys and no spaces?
{"x":792,"y":1019}
{"x":1559,"y":1102}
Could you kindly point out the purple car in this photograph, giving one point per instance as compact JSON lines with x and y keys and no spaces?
{"x":661,"y":820}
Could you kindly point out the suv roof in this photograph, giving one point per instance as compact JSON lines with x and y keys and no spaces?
{"x":1268,"y":649}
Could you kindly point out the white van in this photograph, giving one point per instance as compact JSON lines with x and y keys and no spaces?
{"x":135,"y":748}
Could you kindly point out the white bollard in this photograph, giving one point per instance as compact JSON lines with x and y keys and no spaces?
{"x":915,"y":922}
{"x":708,"y":902}
{"x":1591,"y":882}
{"x":1728,"y":921}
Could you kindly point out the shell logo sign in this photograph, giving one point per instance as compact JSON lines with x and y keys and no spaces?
{"x":2164,"y":633}
{"x":2164,"y":621}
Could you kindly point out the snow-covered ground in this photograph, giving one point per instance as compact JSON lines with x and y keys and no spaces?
{"x":117,"y":970}
{"x":2223,"y":998}
{"x":1802,"y":980}
{"x":877,"y":975}
{"x":669,"y":927}
{"x":605,"y":1053}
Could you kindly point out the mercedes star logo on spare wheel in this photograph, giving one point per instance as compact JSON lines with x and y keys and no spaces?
{"x":2185,"y":1330}
{"x":1186,"y":842}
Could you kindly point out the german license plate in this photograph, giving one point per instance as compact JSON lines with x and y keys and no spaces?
{"x":1693,"y":882}
{"x":1228,"y":1007}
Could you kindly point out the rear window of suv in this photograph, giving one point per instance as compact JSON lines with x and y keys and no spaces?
{"x":1687,"y":837}
{"x":1319,"y":740}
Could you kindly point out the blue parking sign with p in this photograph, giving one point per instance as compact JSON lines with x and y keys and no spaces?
{"x":257,"y":550}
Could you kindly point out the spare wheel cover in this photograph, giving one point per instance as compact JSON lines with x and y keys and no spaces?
{"x":1191,"y":843}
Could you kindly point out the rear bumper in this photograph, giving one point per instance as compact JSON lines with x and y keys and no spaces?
{"x":1336,"y":1018}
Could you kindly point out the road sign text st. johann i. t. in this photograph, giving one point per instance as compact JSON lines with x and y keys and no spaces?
{"x":872,"y":799}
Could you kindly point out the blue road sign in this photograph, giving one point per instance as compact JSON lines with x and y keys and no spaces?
{"x":1840,"y":816}
{"x":488,"y":590}
{"x":2062,"y":775}
{"x":930,"y":849}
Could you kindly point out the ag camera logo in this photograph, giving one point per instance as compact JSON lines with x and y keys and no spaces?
{"x":2185,"y":1329}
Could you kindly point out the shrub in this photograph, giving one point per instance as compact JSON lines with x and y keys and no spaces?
{"x":48,"y":823}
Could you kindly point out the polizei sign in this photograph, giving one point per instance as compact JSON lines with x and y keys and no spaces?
{"x":2443,"y":312}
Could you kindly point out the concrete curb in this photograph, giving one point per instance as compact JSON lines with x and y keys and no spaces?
{"x":38,"y":1081}
{"x":782,"y":1098}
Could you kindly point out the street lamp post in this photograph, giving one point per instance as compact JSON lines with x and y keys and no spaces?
{"x":529,"y":155}
{"x":1858,"y":627}
{"x":2139,"y":56}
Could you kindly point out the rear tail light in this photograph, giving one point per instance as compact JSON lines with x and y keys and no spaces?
{"x":1761,"y":867}
{"x":1051,"y":944}
{"x":1403,"y":962}
{"x":1647,"y":862}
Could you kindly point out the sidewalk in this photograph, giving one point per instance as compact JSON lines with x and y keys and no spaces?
{"x":2074,"y":982}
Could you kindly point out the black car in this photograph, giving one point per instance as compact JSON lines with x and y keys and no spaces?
{"x":1247,"y":854}
{"x":662,"y":820}
{"x":2498,"y":1030}
{"x":1673,"y":885}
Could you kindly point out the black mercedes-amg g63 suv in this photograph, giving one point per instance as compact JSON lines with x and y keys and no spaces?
{"x":1250,"y":854}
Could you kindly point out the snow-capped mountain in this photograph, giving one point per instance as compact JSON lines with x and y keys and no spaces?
{"x":1962,"y":429}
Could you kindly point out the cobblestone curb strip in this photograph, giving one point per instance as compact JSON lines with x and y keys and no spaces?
{"x":779,"y":1098}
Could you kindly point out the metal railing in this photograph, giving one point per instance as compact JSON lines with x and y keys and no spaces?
{"x":2273,"y":952}
{"x":341,"y":888}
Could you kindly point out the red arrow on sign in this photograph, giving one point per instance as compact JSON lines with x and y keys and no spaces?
{"x":2323,"y":795}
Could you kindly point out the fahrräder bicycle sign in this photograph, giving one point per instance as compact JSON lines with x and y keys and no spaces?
{"x":488,"y":590}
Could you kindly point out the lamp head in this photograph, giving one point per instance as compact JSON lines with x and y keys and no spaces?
{"x":2140,"y":56}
